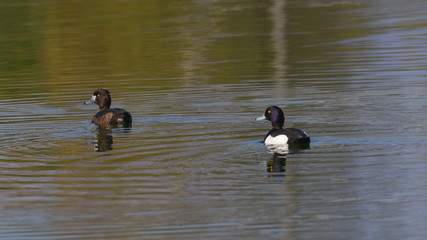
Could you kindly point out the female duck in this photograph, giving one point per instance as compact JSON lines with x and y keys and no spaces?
{"x":279,"y":135}
{"x":107,"y":115}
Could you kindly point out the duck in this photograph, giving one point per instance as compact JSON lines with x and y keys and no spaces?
{"x":107,"y":115}
{"x":279,"y":135}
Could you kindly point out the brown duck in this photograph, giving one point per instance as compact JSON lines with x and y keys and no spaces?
{"x":107,"y":115}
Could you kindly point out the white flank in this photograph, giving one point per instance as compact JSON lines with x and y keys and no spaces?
{"x":281,"y":139}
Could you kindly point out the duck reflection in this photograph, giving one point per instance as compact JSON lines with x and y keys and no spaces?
{"x":277,"y":164}
{"x":104,"y":137}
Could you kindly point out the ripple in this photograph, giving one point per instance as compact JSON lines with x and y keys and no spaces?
{"x":193,"y":165}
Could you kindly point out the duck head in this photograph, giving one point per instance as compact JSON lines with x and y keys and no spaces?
{"x":102,"y":98}
{"x":275,"y":115}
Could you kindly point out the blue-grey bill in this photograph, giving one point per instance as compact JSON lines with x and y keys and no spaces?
{"x":90,"y":101}
{"x":262,"y":117}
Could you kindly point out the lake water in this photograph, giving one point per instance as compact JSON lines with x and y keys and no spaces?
{"x":195,"y":75}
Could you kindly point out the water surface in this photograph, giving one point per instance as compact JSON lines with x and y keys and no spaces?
{"x":194,"y":75}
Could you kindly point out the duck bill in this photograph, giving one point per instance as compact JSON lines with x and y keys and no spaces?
{"x":90,"y":101}
{"x":260,"y":118}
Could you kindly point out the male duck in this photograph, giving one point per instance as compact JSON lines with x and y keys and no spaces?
{"x":107,"y":115}
{"x":279,"y":135}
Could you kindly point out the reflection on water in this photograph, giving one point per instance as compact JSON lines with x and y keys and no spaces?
{"x":280,"y":152}
{"x":277,"y":164}
{"x":104,"y":136}
{"x":193,"y":73}
{"x":104,"y":139}
{"x":278,"y":148}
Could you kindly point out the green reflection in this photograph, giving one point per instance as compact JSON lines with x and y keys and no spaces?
{"x":54,"y":45}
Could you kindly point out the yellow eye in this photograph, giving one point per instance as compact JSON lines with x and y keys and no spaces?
{"x":98,"y":95}
{"x":269,"y":111}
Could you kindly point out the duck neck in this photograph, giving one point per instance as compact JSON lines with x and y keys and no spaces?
{"x":103,"y":107}
{"x":277,"y":127}
{"x":277,"y":122}
{"x":104,"y":104}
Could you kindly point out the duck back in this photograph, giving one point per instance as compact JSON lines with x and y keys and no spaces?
{"x":112,"y":116}
{"x":293,"y":135}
